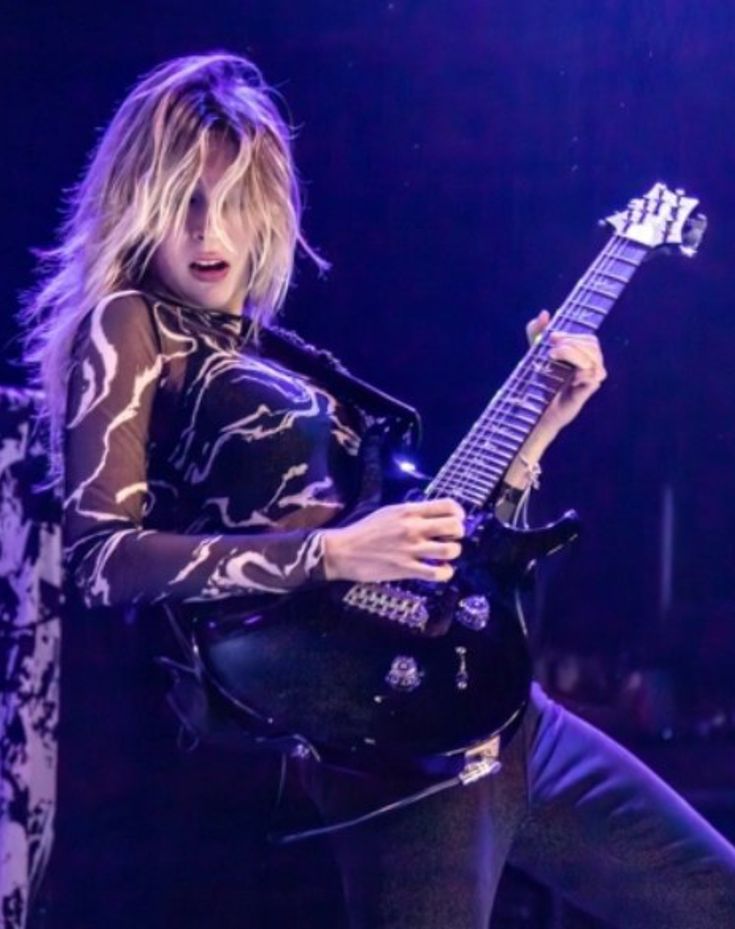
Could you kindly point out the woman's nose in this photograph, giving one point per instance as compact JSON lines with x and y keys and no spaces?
{"x":197,"y":225}
{"x":198,"y":230}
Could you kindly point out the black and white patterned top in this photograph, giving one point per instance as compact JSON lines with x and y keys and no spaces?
{"x":196,"y":468}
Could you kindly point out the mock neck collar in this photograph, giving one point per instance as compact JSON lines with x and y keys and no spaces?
{"x":237,"y":323}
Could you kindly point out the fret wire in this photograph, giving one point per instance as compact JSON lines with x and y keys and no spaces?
{"x":469,"y":478}
{"x":470,"y":447}
{"x":465,"y":482}
{"x":489,"y":459}
{"x":541,"y":367}
{"x":524,"y":419}
{"x":469,"y":486}
{"x":464,"y":460}
{"x":510,"y":439}
{"x":500,"y":439}
{"x":497,"y":459}
{"x":581,"y":322}
{"x":464,"y":492}
{"x":603,"y":293}
{"x":490,"y":442}
{"x":512,"y":412}
{"x":523,"y":403}
{"x":629,"y":261}
{"x":614,"y":277}
{"x":463,"y":463}
{"x":475,"y":492}
{"x":504,"y":428}
{"x":466,"y":479}
{"x":470,"y":475}
{"x":484,"y":471}
{"x":598,"y":277}
{"x":455,"y":481}
{"x":589,"y":306}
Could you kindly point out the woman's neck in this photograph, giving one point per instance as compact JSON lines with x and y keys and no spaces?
{"x":155,"y":286}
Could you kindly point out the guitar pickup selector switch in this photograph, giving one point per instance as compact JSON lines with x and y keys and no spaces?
{"x":462,"y":678}
{"x":474,"y":612}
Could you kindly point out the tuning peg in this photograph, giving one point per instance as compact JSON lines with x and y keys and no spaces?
{"x":694,"y":230}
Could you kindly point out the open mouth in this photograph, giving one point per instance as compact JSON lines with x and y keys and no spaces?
{"x":213,"y":270}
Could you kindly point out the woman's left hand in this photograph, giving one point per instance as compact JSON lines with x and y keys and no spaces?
{"x":583,"y":353}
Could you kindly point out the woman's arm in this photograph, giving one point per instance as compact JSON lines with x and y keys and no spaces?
{"x":112,"y":559}
{"x":582,"y":352}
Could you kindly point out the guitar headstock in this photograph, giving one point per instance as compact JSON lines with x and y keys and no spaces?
{"x":661,"y":218}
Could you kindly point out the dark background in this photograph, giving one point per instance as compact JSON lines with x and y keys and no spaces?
{"x":457,"y":155}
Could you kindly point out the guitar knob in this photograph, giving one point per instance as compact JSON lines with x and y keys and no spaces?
{"x":404,"y":674}
{"x":473,"y":612}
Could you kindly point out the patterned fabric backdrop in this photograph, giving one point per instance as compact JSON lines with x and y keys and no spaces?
{"x":30,"y":603}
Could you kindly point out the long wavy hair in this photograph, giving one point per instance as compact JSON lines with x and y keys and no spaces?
{"x":136,"y":188}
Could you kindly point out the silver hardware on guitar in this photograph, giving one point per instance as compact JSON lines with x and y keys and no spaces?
{"x":462,"y":678}
{"x":404,"y":674}
{"x":481,"y":762}
{"x":473,"y":612}
{"x":389,"y":602}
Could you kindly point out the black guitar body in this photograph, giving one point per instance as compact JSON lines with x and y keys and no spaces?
{"x":367,"y":691}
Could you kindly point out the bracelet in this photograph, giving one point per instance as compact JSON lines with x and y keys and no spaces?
{"x":533,"y":471}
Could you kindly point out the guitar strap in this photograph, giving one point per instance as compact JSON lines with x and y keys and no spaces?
{"x":391,"y":426}
{"x":402,"y":421}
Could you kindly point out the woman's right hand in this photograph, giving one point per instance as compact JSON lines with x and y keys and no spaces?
{"x":407,"y":540}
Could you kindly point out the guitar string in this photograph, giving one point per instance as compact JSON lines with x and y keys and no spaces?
{"x":504,"y":415}
{"x":504,"y":405}
{"x":501,"y":412}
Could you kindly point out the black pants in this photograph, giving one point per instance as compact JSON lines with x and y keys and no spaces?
{"x":570,"y":807}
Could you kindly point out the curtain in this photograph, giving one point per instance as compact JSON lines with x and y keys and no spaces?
{"x":30,"y":604}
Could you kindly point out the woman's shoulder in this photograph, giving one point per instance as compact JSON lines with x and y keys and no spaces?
{"x":125,"y":307}
{"x":121,"y":318}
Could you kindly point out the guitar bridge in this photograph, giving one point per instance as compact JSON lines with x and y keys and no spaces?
{"x":388,"y":602}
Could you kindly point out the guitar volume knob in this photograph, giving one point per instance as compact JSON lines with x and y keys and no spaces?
{"x":474,"y":612}
{"x":404,"y":674}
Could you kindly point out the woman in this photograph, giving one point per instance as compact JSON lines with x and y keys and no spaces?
{"x":196,"y":468}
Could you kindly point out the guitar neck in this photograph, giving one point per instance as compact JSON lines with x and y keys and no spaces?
{"x":474,"y":470}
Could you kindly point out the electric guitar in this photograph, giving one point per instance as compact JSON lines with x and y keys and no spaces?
{"x":426,"y":677}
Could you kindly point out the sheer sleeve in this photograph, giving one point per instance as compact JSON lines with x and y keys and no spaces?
{"x":111,"y":558}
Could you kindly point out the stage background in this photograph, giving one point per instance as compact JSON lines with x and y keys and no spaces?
{"x":456,"y":157}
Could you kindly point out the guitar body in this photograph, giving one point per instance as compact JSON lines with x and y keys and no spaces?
{"x":369,"y":692}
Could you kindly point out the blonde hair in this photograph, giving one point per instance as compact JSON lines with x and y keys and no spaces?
{"x":136,"y":189}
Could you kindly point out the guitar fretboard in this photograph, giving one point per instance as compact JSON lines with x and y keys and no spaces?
{"x":473,"y":471}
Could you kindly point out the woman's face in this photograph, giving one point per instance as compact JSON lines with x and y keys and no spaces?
{"x":207,"y":272}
